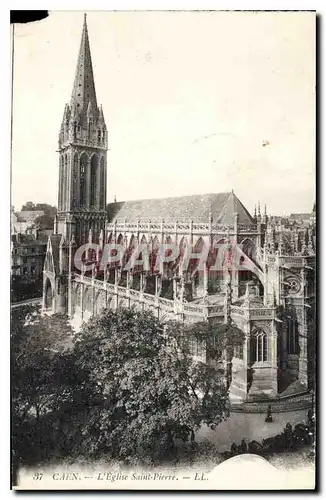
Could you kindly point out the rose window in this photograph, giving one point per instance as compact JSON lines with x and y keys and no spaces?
{"x":293,"y":285}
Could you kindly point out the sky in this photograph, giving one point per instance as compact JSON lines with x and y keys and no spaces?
{"x":194,"y":102}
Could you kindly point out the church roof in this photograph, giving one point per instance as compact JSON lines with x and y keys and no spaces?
{"x":199,"y":208}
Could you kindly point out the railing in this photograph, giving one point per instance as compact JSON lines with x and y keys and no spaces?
{"x":204,"y":310}
{"x":293,"y":261}
{"x":201,"y":228}
{"x":239,"y":310}
{"x":177,"y":227}
{"x":133,"y":293}
{"x":279,"y":404}
{"x":83,"y":141}
{"x":166,"y":303}
{"x":257,"y":313}
{"x":121,"y":290}
{"x":261,"y":313}
{"x":246,"y":228}
{"x":215,"y":310}
{"x":150,"y":298}
{"x":187,"y":308}
{"x":194,"y":308}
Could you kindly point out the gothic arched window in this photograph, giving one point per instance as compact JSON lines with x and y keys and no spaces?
{"x":102,"y":185}
{"x":65,"y":183}
{"x":94,"y":165}
{"x":258,"y":347}
{"x":292,"y":336}
{"x":61,"y":169}
{"x":74,"y":180}
{"x":82,"y":177}
{"x":238,"y":351}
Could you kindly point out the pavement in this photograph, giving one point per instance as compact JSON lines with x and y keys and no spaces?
{"x":15,"y":305}
{"x":248,"y":426}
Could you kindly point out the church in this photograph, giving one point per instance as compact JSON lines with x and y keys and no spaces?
{"x":271,"y":298}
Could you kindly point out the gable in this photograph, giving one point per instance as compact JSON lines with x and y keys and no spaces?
{"x":234,"y":206}
{"x":51,"y":263}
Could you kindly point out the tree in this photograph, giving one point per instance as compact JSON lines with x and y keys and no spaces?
{"x":35,"y":342}
{"x":220,"y":339}
{"x":47,"y":209}
{"x":126,"y":386}
{"x":44,"y":221}
{"x":20,"y":290}
{"x":29,"y":205}
{"x":153,"y":391}
{"x":45,"y":384}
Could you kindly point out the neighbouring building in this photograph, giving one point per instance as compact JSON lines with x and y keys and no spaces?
{"x":27,"y":262}
{"x":304,"y":219}
{"x":272,"y":298}
{"x":24,"y":221}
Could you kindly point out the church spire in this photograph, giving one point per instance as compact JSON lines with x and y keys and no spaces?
{"x":82,"y":149}
{"x":84,"y":87}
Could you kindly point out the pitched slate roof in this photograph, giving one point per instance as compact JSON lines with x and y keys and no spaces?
{"x":199,"y":208}
{"x":29,"y":215}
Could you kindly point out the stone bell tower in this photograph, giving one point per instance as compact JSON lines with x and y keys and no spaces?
{"x":82,"y":182}
{"x":82,"y":156}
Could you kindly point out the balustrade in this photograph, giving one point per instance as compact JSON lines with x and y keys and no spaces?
{"x":257,"y":313}
{"x":166,"y":302}
{"x":193,"y":308}
{"x":261,"y":313}
{"x":149,"y":298}
{"x":121,"y":291}
{"x":215,"y":310}
{"x":203,"y":310}
{"x":238,"y":310}
{"x":179,"y":227}
{"x":293,"y":261}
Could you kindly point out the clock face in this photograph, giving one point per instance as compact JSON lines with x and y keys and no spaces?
{"x":293,"y":285}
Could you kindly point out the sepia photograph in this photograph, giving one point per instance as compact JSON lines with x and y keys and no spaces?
{"x":163,"y":251}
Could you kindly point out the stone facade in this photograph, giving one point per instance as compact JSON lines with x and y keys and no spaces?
{"x":23,"y":222}
{"x":271,"y":296}
{"x":27,"y":257}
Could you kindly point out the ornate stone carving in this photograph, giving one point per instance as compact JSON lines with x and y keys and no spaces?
{"x":260,"y":325}
{"x":292,"y":285}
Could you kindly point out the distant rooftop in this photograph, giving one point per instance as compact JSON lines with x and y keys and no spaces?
{"x":303,"y":216}
{"x":29,"y":215}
